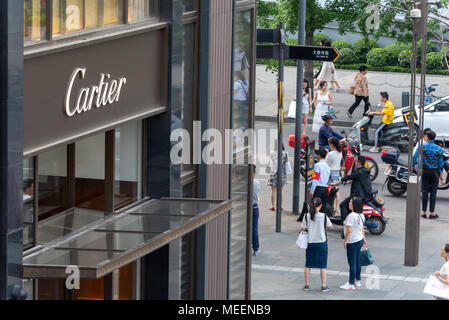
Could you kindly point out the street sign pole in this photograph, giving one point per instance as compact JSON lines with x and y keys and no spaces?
{"x":299,"y":106}
{"x":280,"y":130}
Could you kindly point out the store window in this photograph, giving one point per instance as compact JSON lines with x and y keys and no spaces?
{"x":76,"y":15}
{"x":128,"y":164}
{"x":90,"y":173}
{"x":52,"y":192}
{"x":142,"y":9}
{"x":34,"y":20}
{"x":28,"y":203}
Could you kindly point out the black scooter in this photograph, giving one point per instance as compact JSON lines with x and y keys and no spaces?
{"x":394,"y":135}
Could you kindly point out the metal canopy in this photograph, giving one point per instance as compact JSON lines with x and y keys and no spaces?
{"x":123,"y":238}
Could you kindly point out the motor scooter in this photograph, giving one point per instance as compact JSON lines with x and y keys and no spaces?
{"x":394,"y":135}
{"x":373,"y":211}
{"x":397,"y":172}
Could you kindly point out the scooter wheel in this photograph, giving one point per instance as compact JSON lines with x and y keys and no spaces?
{"x":381,"y":226}
{"x":396,"y":188}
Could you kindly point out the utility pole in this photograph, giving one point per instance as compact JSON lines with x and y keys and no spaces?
{"x":280,"y":129}
{"x":414,"y":182}
{"x":299,"y":106}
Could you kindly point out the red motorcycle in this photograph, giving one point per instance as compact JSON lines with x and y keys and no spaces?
{"x":350,"y":150}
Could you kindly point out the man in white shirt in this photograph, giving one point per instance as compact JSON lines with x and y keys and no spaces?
{"x":320,"y":181}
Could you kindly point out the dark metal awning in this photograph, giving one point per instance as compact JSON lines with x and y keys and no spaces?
{"x":121,"y":239}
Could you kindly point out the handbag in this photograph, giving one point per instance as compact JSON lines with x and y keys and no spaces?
{"x":366,"y":258}
{"x":436,"y":288}
{"x":352,"y":90}
{"x":292,"y":110}
{"x":303,"y":240}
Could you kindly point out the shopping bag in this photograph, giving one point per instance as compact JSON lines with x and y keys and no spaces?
{"x":288,"y":168}
{"x":366,"y":258}
{"x":292,"y":110}
{"x":303,"y":240}
{"x":436,"y":288}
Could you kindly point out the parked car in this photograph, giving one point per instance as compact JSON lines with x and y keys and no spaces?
{"x":436,"y":117}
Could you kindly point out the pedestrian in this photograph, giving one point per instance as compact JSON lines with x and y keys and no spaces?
{"x":328,"y":72}
{"x":272,"y":182}
{"x":334,"y":159}
{"x":323,"y":41}
{"x":360,"y":185}
{"x":256,"y":191}
{"x":432,"y":169}
{"x":443,"y":274}
{"x":360,"y":91}
{"x":324,"y":101}
{"x":241,"y":99}
{"x":316,"y":223}
{"x":388,"y":115}
{"x":326,"y":131}
{"x":353,"y":243}
{"x":424,"y":133}
{"x":306,"y":105}
{"x":320,"y":181}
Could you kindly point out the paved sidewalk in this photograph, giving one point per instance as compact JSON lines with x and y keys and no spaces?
{"x":277,"y":273}
{"x":393,"y":83}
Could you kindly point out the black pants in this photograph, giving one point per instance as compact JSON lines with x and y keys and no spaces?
{"x":359,"y":99}
{"x":323,"y":194}
{"x":430,"y":180}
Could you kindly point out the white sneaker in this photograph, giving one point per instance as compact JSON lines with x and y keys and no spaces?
{"x":374,"y":150}
{"x":256,"y":253}
{"x":347,"y":286}
{"x":358,"y":284}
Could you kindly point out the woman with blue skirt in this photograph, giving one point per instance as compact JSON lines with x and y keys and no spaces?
{"x":316,"y":223}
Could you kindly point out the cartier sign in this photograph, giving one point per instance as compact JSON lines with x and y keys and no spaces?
{"x":105,"y":92}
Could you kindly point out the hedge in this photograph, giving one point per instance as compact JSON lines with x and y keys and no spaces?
{"x":342,"y":44}
{"x":434,"y":61}
{"x":347,"y":56}
{"x":394,"y":50}
{"x":405,"y":58}
{"x":377,"y":57}
{"x":362,"y":47}
{"x":317,"y":38}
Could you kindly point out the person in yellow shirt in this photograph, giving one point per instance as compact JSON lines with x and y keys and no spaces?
{"x":387,"y":113}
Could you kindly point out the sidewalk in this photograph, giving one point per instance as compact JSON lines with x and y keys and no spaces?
{"x":393,"y":83}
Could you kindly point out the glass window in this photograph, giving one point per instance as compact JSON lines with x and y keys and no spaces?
{"x":240,"y":185}
{"x":34,"y":20}
{"x":90,"y":173}
{"x":28,"y":203}
{"x":52,"y":182}
{"x":76,"y":15}
{"x":128,"y":164}
{"x":142,"y":9}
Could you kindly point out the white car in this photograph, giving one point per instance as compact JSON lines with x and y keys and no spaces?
{"x":436,"y":117}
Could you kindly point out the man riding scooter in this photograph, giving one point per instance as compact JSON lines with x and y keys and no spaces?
{"x":360,"y":187}
{"x":326,"y":131}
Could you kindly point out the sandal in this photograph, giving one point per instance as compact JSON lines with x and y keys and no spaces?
{"x":434,"y":216}
{"x":272,"y":209}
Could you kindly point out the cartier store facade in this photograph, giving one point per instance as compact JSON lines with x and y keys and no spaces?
{"x":106,"y":214}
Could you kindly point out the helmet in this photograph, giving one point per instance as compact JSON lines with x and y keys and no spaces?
{"x":327,"y":116}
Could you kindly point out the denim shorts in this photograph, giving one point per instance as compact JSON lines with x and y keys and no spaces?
{"x":335,"y":176}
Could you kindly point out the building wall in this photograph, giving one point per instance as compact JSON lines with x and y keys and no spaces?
{"x":221,"y":13}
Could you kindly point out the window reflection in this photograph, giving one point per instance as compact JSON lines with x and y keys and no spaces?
{"x":190,"y":5}
{"x":28,"y":203}
{"x":142,"y":9}
{"x":34,"y":20}
{"x":128,"y":164}
{"x":52,"y":182}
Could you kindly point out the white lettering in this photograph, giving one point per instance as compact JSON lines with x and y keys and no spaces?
{"x":104,"y":93}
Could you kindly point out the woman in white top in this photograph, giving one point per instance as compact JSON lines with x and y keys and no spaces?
{"x":316,"y":223}
{"x":443,"y":274}
{"x":354,"y":241}
{"x":241,"y":99}
{"x":306,"y":105}
{"x":328,"y":72}
{"x":324,"y":100}
{"x":333,"y":159}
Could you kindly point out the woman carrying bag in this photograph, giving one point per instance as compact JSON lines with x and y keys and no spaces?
{"x":354,"y":241}
{"x":316,"y":223}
